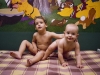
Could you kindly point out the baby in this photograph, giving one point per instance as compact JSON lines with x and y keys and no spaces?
{"x":40,"y":42}
{"x":65,"y":45}
{"x":69,"y":43}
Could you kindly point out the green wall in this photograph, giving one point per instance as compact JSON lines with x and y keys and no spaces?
{"x":12,"y":40}
{"x":12,"y":35}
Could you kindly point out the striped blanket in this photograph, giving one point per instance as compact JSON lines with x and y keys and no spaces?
{"x":11,"y":66}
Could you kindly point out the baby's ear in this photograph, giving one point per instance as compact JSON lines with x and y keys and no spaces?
{"x":77,"y":35}
{"x":46,"y":26}
{"x":35,"y":28}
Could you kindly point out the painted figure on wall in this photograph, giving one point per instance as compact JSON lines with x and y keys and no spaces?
{"x":25,"y":7}
{"x":43,"y":6}
{"x":58,"y":12}
{"x":81,"y":10}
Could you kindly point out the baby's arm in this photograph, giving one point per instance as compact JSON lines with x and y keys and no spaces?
{"x":60,"y":55}
{"x":57,"y":36}
{"x":34,"y":42}
{"x":34,"y":38}
{"x":78,"y":56}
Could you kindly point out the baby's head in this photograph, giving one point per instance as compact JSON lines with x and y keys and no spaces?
{"x":71,"y":32}
{"x":40,"y":17}
{"x":72,"y":27}
{"x":40,"y":23}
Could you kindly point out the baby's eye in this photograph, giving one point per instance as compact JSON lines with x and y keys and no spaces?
{"x":73,"y":33}
{"x":67,"y":32}
{"x":41,"y":22}
{"x":36,"y":23}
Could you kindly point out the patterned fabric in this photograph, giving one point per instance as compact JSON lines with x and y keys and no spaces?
{"x":11,"y":66}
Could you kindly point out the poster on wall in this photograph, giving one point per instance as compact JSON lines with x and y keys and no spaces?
{"x":18,"y":15}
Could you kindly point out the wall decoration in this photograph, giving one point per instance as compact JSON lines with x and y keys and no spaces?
{"x":18,"y":15}
{"x":55,"y":22}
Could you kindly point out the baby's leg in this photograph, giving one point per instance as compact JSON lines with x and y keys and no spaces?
{"x":50,"y":49}
{"x":22,"y":48}
{"x":35,"y":59}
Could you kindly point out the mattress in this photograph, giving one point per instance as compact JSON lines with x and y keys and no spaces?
{"x":51,"y":66}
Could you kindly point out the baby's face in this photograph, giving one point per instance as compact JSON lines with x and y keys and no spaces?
{"x":40,"y":24}
{"x":71,"y":33}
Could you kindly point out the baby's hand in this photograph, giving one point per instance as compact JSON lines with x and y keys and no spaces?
{"x":64,"y":64}
{"x":80,"y":66}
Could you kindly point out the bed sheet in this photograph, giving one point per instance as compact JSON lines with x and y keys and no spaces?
{"x":11,"y":66}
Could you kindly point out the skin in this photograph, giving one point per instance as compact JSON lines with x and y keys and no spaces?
{"x":69,"y":43}
{"x":40,"y":42}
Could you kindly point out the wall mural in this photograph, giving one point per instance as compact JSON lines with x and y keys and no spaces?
{"x":18,"y":15}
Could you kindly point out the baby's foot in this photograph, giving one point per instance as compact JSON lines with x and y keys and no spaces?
{"x":15,"y":55}
{"x":29,"y":62}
